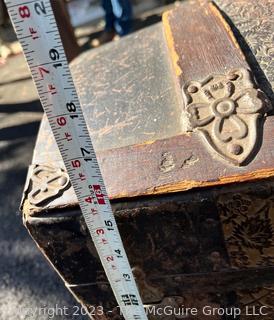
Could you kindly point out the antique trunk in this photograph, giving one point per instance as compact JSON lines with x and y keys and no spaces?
{"x":181,"y":118}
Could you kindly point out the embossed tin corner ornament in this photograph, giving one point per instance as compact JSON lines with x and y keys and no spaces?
{"x":227,"y":110}
{"x":47,"y":183}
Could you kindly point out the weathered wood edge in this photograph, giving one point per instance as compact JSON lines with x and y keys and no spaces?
{"x":176,"y":164}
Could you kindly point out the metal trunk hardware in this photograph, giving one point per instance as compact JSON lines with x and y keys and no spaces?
{"x":47,"y":183}
{"x":228,"y":110}
{"x":183,"y":109}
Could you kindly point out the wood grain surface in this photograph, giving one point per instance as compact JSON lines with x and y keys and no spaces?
{"x":200,"y":41}
{"x":178,"y":163}
{"x":204,"y":246}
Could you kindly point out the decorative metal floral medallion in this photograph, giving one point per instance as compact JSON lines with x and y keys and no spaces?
{"x":227,"y":110}
{"x":47,"y":183}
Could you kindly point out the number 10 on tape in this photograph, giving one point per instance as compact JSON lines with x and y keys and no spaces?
{"x":38,"y":34}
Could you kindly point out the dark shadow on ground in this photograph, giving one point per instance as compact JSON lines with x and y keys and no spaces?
{"x":33,"y":106}
{"x":19,"y":131}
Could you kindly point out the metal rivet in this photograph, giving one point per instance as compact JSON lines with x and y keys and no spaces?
{"x":62,"y":181}
{"x":192,"y":89}
{"x":233,"y":76}
{"x":235,"y":149}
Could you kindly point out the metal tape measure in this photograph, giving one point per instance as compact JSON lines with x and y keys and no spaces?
{"x":38,"y":34}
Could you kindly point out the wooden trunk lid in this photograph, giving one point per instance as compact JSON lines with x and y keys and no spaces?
{"x":172,"y":107}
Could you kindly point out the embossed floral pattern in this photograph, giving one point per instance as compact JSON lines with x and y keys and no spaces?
{"x":248,"y":221}
{"x":254,"y":20}
{"x":47,"y":183}
{"x":255,"y":232}
{"x":238,"y":205}
{"x":248,"y":224}
{"x":226,"y":108}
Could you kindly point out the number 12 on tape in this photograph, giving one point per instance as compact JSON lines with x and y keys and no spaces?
{"x":38,"y":34}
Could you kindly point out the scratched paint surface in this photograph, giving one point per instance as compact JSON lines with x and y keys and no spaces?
{"x":128,"y":93}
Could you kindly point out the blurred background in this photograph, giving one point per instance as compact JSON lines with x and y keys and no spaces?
{"x":28,"y":285}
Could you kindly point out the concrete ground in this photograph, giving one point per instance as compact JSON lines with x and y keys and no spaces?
{"x":29,"y":288}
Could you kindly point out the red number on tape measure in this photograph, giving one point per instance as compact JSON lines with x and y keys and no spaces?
{"x":110,"y":258}
{"x":62,"y":121}
{"x":42,"y":71}
{"x":76,"y":163}
{"x":24,"y":12}
{"x":100,"y":231}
